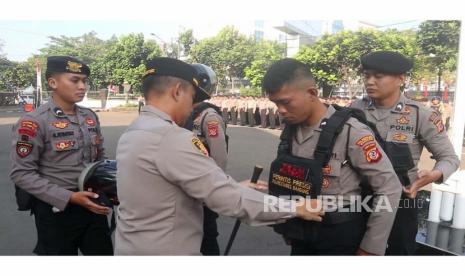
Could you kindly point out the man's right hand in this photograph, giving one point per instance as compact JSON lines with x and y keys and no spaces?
{"x":84,"y":199}
{"x":310,"y":209}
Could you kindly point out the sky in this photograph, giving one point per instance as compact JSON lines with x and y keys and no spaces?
{"x":23,"y":38}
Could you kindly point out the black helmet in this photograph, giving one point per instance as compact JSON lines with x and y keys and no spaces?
{"x":207,"y":77}
{"x":100,"y":178}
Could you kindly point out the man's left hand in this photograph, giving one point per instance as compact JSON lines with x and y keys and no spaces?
{"x":425,"y":177}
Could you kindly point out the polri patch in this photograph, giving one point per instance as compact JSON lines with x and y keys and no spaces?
{"x":212,"y":129}
{"x":372,"y":153}
{"x":23,"y":149}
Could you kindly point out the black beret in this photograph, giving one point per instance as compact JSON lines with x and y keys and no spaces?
{"x":66,"y":64}
{"x":386,"y":62}
{"x":171,"y":67}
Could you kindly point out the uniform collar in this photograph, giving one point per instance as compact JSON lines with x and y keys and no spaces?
{"x":329,"y":112}
{"x":399,"y":107}
{"x":58,"y":112}
{"x":153,"y":111}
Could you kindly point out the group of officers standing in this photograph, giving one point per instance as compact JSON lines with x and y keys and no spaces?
{"x":170,"y":176}
{"x":248,"y":111}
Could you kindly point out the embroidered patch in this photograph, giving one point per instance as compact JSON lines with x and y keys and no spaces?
{"x":29,"y":125}
{"x":399,"y":137}
{"x":403,"y":120}
{"x":327,"y":169}
{"x":64,"y":145}
{"x":212,"y":129}
{"x":90,"y":122}
{"x":365,"y":139}
{"x":199,"y":145}
{"x":23,"y":149}
{"x":325,"y":183}
{"x":406,"y":110}
{"x":60,"y":124}
{"x":28,"y":132}
{"x":372,"y":153}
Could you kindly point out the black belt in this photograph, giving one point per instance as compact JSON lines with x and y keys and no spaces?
{"x":340,"y":217}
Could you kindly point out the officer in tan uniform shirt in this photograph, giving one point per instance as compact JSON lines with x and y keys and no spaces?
{"x":407,"y":126}
{"x":50,"y":148}
{"x":165,"y":175}
{"x":355,"y":154}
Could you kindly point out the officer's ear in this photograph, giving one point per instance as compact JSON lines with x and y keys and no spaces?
{"x":52,"y":82}
{"x":402,"y":79}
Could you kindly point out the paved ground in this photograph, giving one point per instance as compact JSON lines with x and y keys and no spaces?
{"x":248,"y":146}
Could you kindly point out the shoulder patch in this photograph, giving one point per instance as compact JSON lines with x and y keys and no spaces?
{"x":212,"y":127}
{"x":372,"y":153}
{"x":23,"y":149}
{"x":364,"y":140}
{"x":199,"y":146}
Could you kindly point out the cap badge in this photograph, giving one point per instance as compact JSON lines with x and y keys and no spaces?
{"x":74,"y":67}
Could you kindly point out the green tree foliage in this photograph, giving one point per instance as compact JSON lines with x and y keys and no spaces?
{"x":335,"y":59}
{"x":267,"y":53}
{"x":228,"y":53}
{"x":438,"y":42}
{"x":186,"y":40}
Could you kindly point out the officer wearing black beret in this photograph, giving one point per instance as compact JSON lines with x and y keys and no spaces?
{"x":165,"y":173}
{"x":51,"y":147}
{"x":407,"y":127}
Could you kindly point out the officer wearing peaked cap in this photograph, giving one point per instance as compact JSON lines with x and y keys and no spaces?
{"x":161,"y":213}
{"x":51,"y":146}
{"x":407,"y":127}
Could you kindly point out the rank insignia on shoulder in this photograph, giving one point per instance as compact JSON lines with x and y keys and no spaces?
{"x":90,"y":122}
{"x":23,"y":149}
{"x":28,"y":132}
{"x":60,"y":124}
{"x":403,"y":120}
{"x":199,"y":145}
{"x":212,"y":129}
{"x":364,"y":140}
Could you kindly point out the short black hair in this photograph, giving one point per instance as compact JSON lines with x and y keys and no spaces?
{"x":159,"y":84}
{"x":284,"y":71}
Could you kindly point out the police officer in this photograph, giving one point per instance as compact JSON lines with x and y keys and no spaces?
{"x":407,"y":127}
{"x":50,"y":148}
{"x":251,"y":106}
{"x":243,"y":110}
{"x":209,"y":127}
{"x":317,"y":170}
{"x":233,"y":107}
{"x":161,"y":212}
{"x":263,"y":108}
{"x":271,"y":109}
